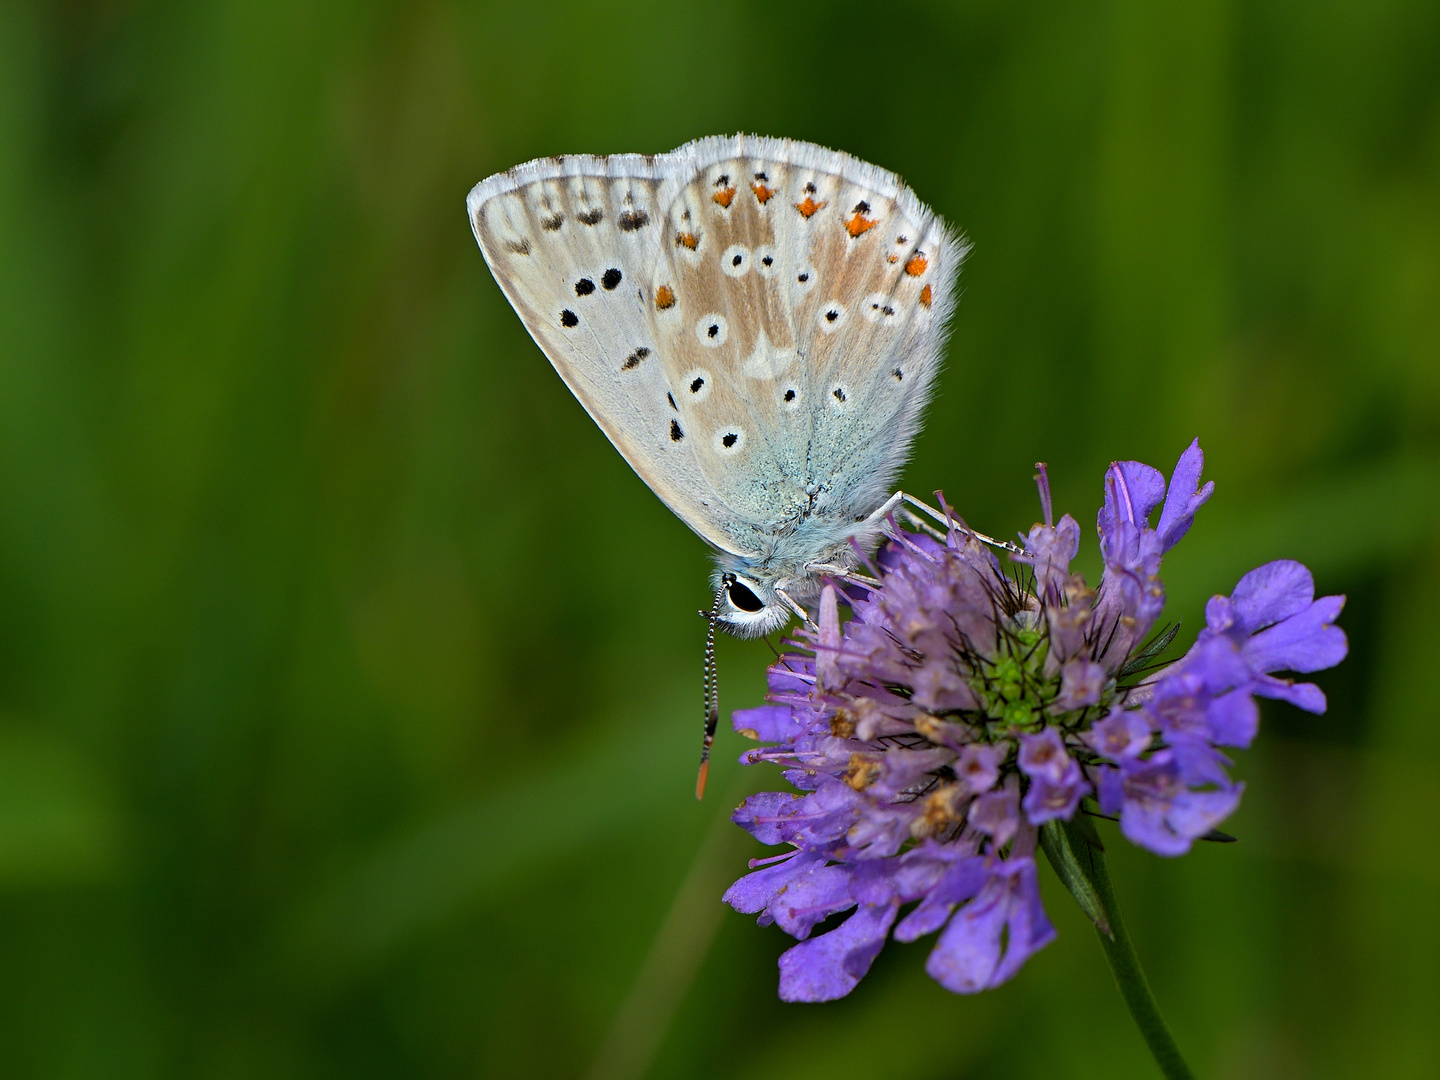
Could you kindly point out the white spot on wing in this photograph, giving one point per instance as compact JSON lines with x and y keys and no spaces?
{"x":729,"y":441}
{"x":736,"y":260}
{"x":712,"y":330}
{"x":832,"y":316}
{"x":878,"y":307}
{"x":765,"y":360}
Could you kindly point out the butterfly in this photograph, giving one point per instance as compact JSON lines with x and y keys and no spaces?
{"x":756,"y":325}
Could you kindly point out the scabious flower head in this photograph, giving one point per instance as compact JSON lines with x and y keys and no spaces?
{"x":963,"y":707}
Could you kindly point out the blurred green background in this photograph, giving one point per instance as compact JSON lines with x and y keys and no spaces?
{"x":350,"y":682}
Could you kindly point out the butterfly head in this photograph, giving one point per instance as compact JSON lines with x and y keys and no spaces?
{"x":749,"y":607}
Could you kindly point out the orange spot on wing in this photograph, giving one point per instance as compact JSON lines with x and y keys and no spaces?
{"x":859,"y":224}
{"x":892,"y":258}
{"x":809,"y":207}
{"x":687,"y":240}
{"x":917,"y":264}
{"x":724,"y":197}
{"x":762,"y":193}
{"x":926,"y":296}
{"x":665,"y":297}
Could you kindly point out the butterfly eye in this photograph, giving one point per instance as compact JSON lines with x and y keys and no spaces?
{"x":743,"y":597}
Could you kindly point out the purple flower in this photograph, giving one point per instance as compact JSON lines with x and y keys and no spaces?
{"x":1272,"y":622}
{"x":1056,"y":784}
{"x":962,"y":708}
{"x":995,"y":933}
{"x":1158,"y":807}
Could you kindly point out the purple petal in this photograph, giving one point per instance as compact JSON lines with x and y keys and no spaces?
{"x":1161,"y":813}
{"x":760,"y":814}
{"x":1049,"y":549}
{"x":1029,"y":929}
{"x":1305,"y":696}
{"x":812,"y":898}
{"x":767,"y":723}
{"x":1132,"y":490}
{"x":1233,"y":718}
{"x":1198,"y":764}
{"x":1109,"y":788}
{"x":1182,"y":500}
{"x":961,"y":882}
{"x":817,"y":819}
{"x":997,"y":813}
{"x":1081,"y":683}
{"x":1219,"y":614}
{"x":755,"y":892}
{"x":831,"y":965}
{"x":1043,"y":755}
{"x":979,"y":765}
{"x":1304,"y":642}
{"x":922,"y":868}
{"x":1121,"y":735}
{"x":1197,"y":812}
{"x":988,"y":940}
{"x":1270,"y":593}
{"x":1047,"y":800}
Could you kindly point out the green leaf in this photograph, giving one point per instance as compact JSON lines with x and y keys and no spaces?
{"x":1065,"y":850}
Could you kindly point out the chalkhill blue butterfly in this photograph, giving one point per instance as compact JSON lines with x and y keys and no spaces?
{"x":755,"y":324}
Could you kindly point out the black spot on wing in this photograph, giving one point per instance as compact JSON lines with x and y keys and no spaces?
{"x":611,"y":279}
{"x":592,"y":217}
{"x":633,"y":360}
{"x":569,"y":318}
{"x":550,"y":224}
{"x":675,"y":433}
{"x":631,"y":220}
{"x":584,"y":287}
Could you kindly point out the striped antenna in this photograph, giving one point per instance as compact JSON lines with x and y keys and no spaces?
{"x":712,"y":690}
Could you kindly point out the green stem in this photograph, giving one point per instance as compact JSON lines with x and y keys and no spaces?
{"x":1076,"y":843}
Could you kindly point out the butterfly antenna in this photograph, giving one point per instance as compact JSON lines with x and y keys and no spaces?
{"x":712,"y":694}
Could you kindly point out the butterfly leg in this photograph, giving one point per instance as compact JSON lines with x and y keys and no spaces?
{"x":842,"y":573}
{"x":798,"y":609}
{"x":946,"y":519}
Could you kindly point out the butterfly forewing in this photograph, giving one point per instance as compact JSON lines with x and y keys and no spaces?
{"x":754,"y":323}
{"x":572,"y":242}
